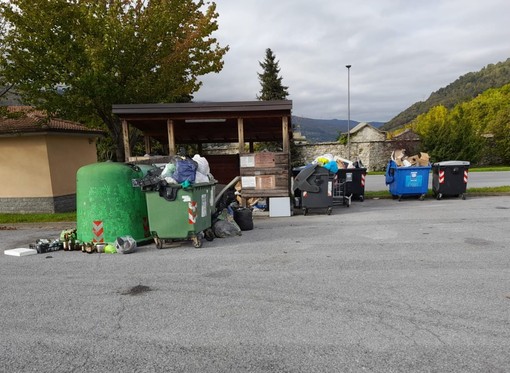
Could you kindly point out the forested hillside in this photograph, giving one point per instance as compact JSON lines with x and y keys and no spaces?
{"x":475,"y":130}
{"x":463,"y":89}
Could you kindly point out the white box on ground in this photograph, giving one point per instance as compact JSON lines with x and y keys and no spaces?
{"x":20,"y":252}
{"x":279,"y":206}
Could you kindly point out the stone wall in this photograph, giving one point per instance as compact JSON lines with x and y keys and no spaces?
{"x":374,"y":154}
{"x":38,"y":204}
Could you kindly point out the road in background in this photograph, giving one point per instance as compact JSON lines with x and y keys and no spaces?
{"x":376,"y":183}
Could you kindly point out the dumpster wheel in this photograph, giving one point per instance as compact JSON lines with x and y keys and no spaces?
{"x":329,"y":210}
{"x":159,"y":242}
{"x":439,"y":196}
{"x":197,"y":242}
{"x":209,"y":234}
{"x":422,"y":197}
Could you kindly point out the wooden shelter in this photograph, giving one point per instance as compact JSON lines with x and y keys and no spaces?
{"x":243,"y":123}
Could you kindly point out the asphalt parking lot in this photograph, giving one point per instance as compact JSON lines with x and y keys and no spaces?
{"x":382,"y":286}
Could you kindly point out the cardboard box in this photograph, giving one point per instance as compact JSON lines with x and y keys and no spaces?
{"x":398,"y":156}
{"x":402,"y":160}
{"x":424,"y":159}
{"x":413,"y":160}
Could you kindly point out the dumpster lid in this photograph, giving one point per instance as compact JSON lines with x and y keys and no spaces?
{"x":452,"y":163}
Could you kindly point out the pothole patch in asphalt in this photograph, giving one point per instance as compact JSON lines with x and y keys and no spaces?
{"x":137,"y":290}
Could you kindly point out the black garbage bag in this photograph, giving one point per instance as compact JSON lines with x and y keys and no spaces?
{"x":224,"y":228}
{"x":244,"y":218}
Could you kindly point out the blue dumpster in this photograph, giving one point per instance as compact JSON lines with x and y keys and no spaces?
{"x":407,"y":181}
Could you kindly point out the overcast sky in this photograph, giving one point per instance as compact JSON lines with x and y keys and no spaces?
{"x":400,"y":51}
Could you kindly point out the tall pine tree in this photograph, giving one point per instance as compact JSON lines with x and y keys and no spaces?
{"x":272,"y":87}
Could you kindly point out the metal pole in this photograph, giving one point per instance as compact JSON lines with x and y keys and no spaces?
{"x":348,"y":111}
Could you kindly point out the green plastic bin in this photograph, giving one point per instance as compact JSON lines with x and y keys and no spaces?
{"x":107,"y":205}
{"x":181,"y":214}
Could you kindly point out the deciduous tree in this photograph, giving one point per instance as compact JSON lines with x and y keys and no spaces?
{"x":75,"y":58}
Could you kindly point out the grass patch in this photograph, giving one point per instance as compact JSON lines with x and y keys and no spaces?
{"x":471,"y":169}
{"x":489,"y":168}
{"x":487,"y":191}
{"x":492,"y":190}
{"x":37,"y":218}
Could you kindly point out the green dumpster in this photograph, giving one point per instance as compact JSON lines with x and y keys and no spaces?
{"x":107,"y":205}
{"x":176,"y":213}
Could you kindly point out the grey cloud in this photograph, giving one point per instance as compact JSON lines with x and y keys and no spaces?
{"x":400,"y":51}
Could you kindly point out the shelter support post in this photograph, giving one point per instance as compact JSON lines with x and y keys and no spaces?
{"x":171,"y":137}
{"x":240,"y":133}
{"x":125,"y":137}
{"x":147,"y":143}
{"x":285,"y":134}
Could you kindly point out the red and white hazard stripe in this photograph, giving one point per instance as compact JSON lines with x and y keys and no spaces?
{"x":465,"y":176}
{"x":97,"y":231}
{"x":362,"y":180}
{"x":192,"y":212}
{"x":146,"y":228}
{"x":441,"y":176}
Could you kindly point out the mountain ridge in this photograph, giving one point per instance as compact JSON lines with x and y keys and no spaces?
{"x":325,"y":130}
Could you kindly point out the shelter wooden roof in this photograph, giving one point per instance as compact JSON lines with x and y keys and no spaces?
{"x":209,"y":122}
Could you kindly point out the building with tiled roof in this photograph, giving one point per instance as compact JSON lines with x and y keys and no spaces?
{"x":366,"y":132}
{"x":39,"y":157}
{"x":23,"y":120}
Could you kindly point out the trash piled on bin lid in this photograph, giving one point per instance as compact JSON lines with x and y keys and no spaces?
{"x":180,"y":170}
{"x":334,"y":163}
{"x":402,"y":160}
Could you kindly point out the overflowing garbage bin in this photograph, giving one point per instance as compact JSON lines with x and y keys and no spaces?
{"x":355,"y":182}
{"x":315,"y":186}
{"x":177,"y":213}
{"x":449,"y":178}
{"x":407,"y":181}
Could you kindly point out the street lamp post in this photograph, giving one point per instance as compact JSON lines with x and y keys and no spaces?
{"x":348,"y":111}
